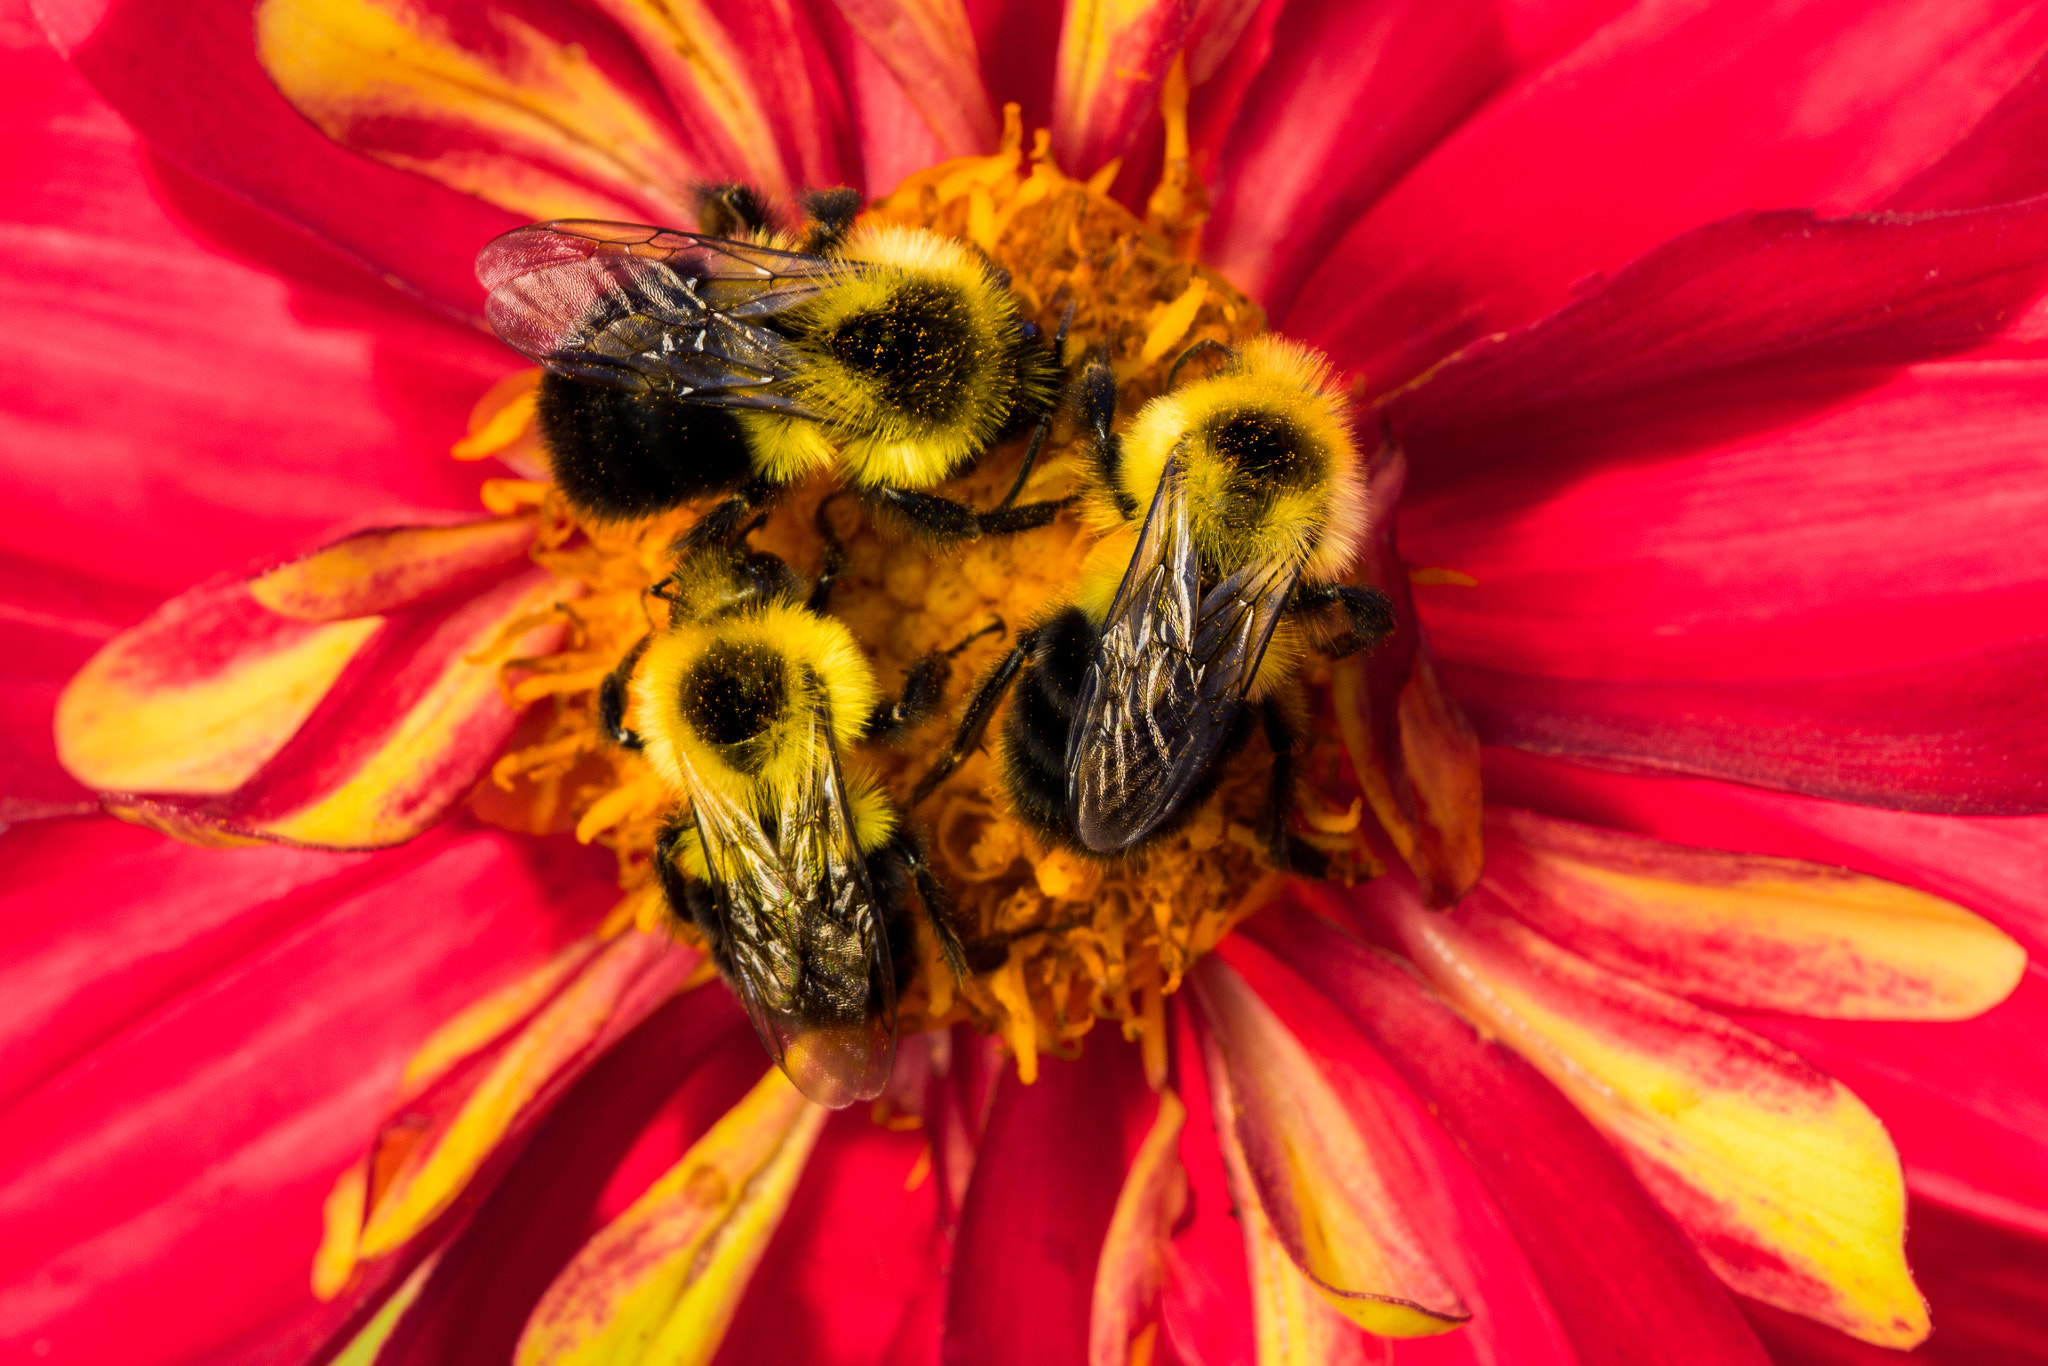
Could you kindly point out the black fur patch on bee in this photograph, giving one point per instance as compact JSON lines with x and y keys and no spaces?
{"x":618,"y":454}
{"x":919,"y":348}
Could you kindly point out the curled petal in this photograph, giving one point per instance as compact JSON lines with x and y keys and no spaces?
{"x":660,"y":1282}
{"x":1749,"y":932}
{"x":1787,"y":1182}
{"x":1414,"y":754}
{"x":545,"y":125}
{"x":928,"y":45}
{"x":1319,"y":1183}
{"x":2000,"y":160}
{"x":1626,"y":1286}
{"x":387,"y":568}
{"x":222,"y":720}
{"x":1113,"y":59}
{"x":1132,"y":1265}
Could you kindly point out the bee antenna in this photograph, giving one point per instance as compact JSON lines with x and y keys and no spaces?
{"x":1059,"y":338}
{"x":995,"y":627}
{"x":1202,"y":347}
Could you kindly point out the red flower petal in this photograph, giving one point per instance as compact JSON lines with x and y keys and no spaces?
{"x":243,"y":1036}
{"x":1627,"y":1288}
{"x":1024,"y":1258}
{"x":1112,"y":61}
{"x":1205,"y":1310}
{"x":2000,"y":160}
{"x":1828,"y":104}
{"x":1352,"y":97}
{"x":252,"y":412}
{"x":929,"y":46}
{"x":187,"y":78}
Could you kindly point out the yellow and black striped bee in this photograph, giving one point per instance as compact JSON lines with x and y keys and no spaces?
{"x":1131,"y":696}
{"x":683,"y":365}
{"x":794,"y":864}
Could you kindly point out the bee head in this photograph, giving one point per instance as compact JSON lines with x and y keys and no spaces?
{"x":737,"y":700}
{"x":914,"y":359}
{"x":1266,"y":451}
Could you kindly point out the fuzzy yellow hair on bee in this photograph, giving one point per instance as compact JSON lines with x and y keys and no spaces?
{"x":912,"y":357}
{"x":733,"y":699}
{"x":1267,"y":459}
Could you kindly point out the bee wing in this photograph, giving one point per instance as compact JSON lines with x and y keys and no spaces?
{"x":639,"y":307}
{"x":1171,"y":670}
{"x":809,"y":951}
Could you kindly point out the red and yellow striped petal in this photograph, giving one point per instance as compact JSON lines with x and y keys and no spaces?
{"x":1314,"y":1173}
{"x":1113,"y":60}
{"x":485,"y":102}
{"x":1746,"y":931}
{"x":928,"y":45}
{"x":660,"y":1282}
{"x":284,"y":708}
{"x":1784,"y":1179}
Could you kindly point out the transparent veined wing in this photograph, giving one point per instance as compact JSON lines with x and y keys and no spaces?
{"x":640,"y":307}
{"x":808,"y":947}
{"x":1170,"y":673}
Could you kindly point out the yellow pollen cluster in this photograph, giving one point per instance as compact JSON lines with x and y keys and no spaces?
{"x":1055,"y":942}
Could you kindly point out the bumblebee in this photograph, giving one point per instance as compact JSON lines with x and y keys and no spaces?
{"x":1130,"y":697}
{"x":683,"y":365}
{"x":794,"y":865}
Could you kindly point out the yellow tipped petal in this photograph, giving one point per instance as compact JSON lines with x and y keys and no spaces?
{"x":1113,"y":56}
{"x":928,"y":45}
{"x":659,"y":1284}
{"x":1314,"y":1172}
{"x":1785,"y":1180}
{"x":1748,"y":931}
{"x":379,"y":571}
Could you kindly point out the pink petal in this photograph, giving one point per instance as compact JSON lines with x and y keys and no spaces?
{"x":1746,"y":931}
{"x":232,"y":128}
{"x":1205,"y":1310}
{"x":929,"y":46}
{"x":1626,"y":1286}
{"x":1112,"y":61}
{"x":1024,"y":1260}
{"x":1999,"y":160}
{"x":1846,"y":292}
{"x":228,"y":1059}
{"x":1352,"y":97}
{"x":254,"y":413}
{"x":1827,"y":104}
{"x":856,"y":1247}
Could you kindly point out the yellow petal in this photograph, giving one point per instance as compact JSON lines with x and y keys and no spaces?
{"x":1748,"y":931}
{"x":514,"y":115}
{"x":1317,"y":1179}
{"x":1785,"y":1180}
{"x":1113,"y":56}
{"x":1132,"y":1265}
{"x":659,"y":1283}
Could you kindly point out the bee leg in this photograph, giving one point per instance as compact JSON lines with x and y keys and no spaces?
{"x":924,"y":683}
{"x":1200,"y":348}
{"x":730,"y":210}
{"x":975,"y":716}
{"x":1098,"y":410}
{"x":938,"y":907}
{"x":688,"y":899}
{"x":611,"y":697}
{"x":830,"y":214}
{"x":723,"y":523}
{"x":1368,"y":614}
{"x":1287,"y":852}
{"x":831,"y":560}
{"x":1043,"y":428}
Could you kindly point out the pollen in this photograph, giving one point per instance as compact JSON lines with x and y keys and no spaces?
{"x":1056,"y":943}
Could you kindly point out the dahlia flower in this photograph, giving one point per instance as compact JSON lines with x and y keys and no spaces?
{"x":1669,"y":999}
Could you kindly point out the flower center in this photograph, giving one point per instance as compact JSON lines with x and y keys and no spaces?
{"x":1054,"y":940}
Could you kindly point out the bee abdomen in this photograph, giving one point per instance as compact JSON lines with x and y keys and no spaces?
{"x":622,"y":454}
